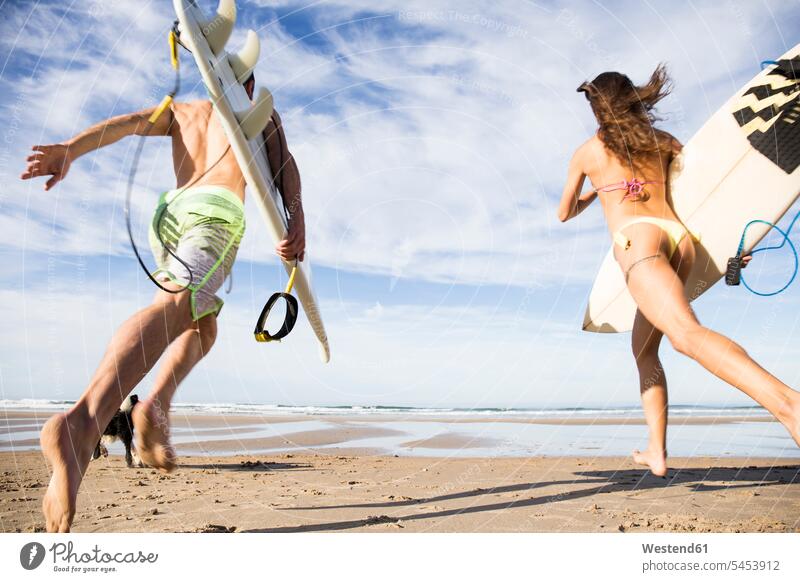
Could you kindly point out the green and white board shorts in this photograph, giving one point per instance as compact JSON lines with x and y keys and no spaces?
{"x":203,"y":226}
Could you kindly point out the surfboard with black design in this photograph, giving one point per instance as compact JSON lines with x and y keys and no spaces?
{"x":770,"y":118}
{"x":243,"y":123}
{"x":744,"y":163}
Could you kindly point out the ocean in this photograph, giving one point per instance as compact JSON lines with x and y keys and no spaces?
{"x":234,"y":408}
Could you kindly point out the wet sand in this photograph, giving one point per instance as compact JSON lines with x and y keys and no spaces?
{"x":436,"y":435}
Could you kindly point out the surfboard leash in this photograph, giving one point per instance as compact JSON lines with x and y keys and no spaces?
{"x":151,"y":121}
{"x":260,"y":333}
{"x":733,"y":274}
{"x":166,"y":102}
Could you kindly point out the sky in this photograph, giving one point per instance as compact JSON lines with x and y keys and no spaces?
{"x":433,"y":139}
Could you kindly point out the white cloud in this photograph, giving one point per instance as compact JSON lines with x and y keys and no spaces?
{"x":437,"y":130}
{"x":434,"y":355}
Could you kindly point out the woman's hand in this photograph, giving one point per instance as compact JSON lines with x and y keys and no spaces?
{"x":572,"y":201}
{"x":294,"y":245}
{"x":48,"y":160}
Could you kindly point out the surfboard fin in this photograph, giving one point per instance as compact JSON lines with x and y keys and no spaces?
{"x":254,"y":119}
{"x":218,"y":29}
{"x":245,"y":60}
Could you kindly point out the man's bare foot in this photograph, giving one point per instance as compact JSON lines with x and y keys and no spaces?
{"x":67,"y":444}
{"x":151,"y":424}
{"x":656,"y":460}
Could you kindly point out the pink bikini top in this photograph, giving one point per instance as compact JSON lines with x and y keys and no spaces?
{"x":633,"y":188}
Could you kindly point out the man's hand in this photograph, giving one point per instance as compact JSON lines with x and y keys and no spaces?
{"x":48,"y":160}
{"x":294,"y":245}
{"x":54,"y":160}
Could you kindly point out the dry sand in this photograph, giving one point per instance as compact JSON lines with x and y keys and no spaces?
{"x":316,"y":492}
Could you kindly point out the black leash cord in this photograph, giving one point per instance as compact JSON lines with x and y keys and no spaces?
{"x":157,"y":229}
{"x":129,"y":192}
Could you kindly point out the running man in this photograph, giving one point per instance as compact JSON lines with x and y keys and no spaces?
{"x":203,"y":224}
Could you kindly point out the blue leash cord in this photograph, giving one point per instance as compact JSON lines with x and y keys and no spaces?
{"x":786,"y":239}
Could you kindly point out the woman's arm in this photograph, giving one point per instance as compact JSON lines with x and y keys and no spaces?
{"x":572,"y":201}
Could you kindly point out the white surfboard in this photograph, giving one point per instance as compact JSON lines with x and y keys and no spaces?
{"x":743,"y":164}
{"x":243,"y":123}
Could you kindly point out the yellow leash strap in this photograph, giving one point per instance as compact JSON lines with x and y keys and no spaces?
{"x":167,"y":100}
{"x":290,"y":284}
{"x":173,"y":49}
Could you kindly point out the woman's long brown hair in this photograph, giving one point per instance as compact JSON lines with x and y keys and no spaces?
{"x":625,"y":114}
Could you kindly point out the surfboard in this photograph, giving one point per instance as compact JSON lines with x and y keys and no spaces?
{"x":741,"y":165}
{"x":243,"y":123}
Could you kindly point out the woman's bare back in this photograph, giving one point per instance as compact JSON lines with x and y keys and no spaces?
{"x":604,"y":169}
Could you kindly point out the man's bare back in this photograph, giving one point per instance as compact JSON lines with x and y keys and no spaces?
{"x":201,"y":153}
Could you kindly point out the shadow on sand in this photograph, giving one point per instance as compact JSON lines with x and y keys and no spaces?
{"x":698,"y":480}
{"x":250,"y":466}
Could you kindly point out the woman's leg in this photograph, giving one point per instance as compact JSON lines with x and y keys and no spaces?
{"x":658,"y":291}
{"x":646,"y":340}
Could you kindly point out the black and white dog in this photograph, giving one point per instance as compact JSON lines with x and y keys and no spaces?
{"x":121,"y":428}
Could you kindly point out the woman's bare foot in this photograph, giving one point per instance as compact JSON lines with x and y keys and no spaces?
{"x":67,"y":444}
{"x":656,"y":460}
{"x":789,"y":416}
{"x":152,"y":436}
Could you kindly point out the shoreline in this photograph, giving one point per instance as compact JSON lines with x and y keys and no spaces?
{"x":15,"y":415}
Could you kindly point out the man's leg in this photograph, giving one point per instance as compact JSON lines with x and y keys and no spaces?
{"x":68,"y":439}
{"x":151,"y":416}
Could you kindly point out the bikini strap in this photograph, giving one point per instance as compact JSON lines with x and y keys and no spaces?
{"x":633,"y":188}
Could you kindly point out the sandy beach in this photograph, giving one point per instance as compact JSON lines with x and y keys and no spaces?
{"x":331,"y":475}
{"x":312,"y":493}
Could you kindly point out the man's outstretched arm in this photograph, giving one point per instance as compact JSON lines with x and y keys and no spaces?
{"x":54,"y":160}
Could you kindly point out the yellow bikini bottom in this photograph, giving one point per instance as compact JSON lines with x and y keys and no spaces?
{"x":675,"y":232}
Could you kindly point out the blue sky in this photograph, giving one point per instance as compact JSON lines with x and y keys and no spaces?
{"x":432,"y":139}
